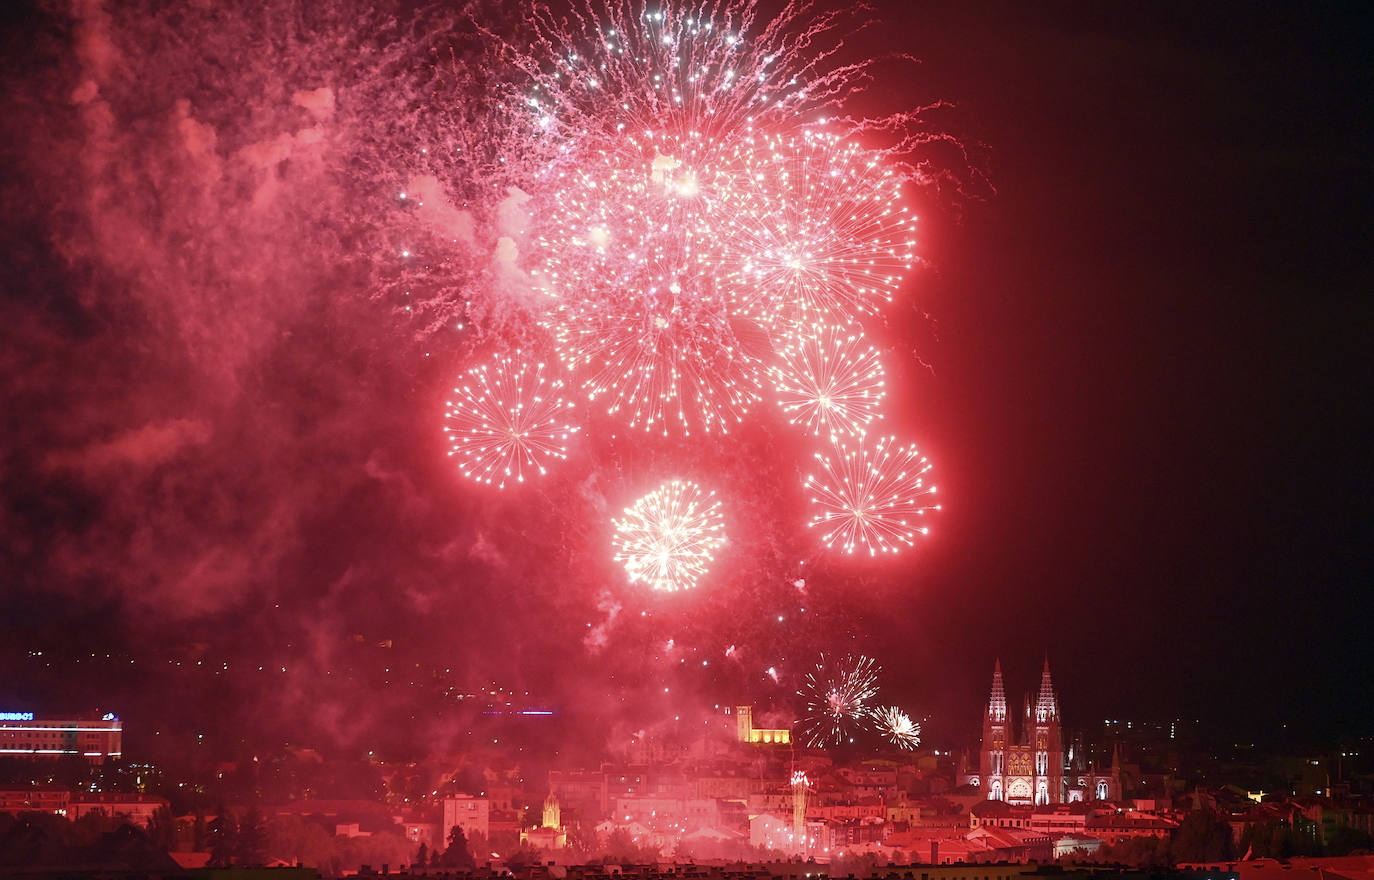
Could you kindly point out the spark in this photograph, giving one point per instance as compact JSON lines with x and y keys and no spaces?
{"x":898,"y":727}
{"x":871,"y":494}
{"x":818,"y":227}
{"x":668,"y":537}
{"x":506,"y":420}
{"x":830,"y":381}
{"x":655,"y":183}
{"x":837,"y":698}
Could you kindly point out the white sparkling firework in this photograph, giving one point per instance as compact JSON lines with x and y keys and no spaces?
{"x":837,"y":698}
{"x":818,"y":224}
{"x":653,"y":113}
{"x":898,"y":727}
{"x":505,"y":420}
{"x":872,"y":494}
{"x":667,"y":538}
{"x":830,"y":381}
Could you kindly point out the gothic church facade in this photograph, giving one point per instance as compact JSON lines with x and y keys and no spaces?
{"x":1032,"y":768}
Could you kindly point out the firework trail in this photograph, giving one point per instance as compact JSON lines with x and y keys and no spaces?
{"x":668,"y":537}
{"x":837,"y":699}
{"x":898,"y":727}
{"x":506,"y":420}
{"x":871,"y":494}
{"x":830,"y":382}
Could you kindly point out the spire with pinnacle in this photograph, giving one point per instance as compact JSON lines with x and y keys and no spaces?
{"x":1046,"y":706}
{"x":997,"y":703}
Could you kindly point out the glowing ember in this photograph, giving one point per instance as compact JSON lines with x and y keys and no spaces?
{"x":871,"y":494}
{"x":506,"y":420}
{"x":667,"y":538}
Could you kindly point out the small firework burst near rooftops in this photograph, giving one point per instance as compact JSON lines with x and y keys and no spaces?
{"x":505,"y":420}
{"x":898,"y":727}
{"x":872,"y":494}
{"x":837,"y":697}
{"x":668,"y":538}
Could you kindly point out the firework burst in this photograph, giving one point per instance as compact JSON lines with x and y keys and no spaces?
{"x":648,"y":116}
{"x":837,"y":698}
{"x":819,"y":223}
{"x":898,"y":727}
{"x":505,"y":420}
{"x":871,"y":494}
{"x":829,"y":381}
{"x":668,"y":537}
{"x":663,"y":357}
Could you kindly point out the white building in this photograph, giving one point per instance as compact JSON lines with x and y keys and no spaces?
{"x":95,"y":739}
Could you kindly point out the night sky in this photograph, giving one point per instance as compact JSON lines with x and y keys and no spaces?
{"x":1139,"y":359}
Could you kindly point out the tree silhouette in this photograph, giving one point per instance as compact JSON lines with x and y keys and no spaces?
{"x":162,"y":828}
{"x":1203,"y":836}
{"x":457,"y":855}
{"x":223,"y":839}
{"x":252,"y":838}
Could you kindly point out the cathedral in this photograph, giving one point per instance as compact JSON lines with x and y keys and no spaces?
{"x":1034,"y":769}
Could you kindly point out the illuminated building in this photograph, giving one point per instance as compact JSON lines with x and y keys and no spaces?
{"x":95,"y":738}
{"x":1030,"y":771}
{"x":35,"y":800}
{"x":138,"y":809}
{"x":472,"y":814}
{"x":550,"y":834}
{"x":1033,"y":770}
{"x":748,"y":733}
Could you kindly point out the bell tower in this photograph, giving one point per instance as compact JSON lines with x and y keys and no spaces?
{"x":1048,"y":742}
{"x":993,"y":756}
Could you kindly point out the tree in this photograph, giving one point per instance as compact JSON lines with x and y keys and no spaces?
{"x":251,"y":847}
{"x":1202,"y":836}
{"x":223,"y":839}
{"x":162,"y":828}
{"x":457,"y":855}
{"x":297,"y":840}
{"x":422,"y":857}
{"x":1138,"y":852}
{"x":524,"y":855}
{"x":582,"y":840}
{"x":199,"y":833}
{"x":478,"y":845}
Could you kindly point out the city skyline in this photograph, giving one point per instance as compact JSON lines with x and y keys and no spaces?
{"x":1133,"y":347}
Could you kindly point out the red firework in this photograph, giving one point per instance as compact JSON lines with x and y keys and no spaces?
{"x":872,"y":494}
{"x":507,"y":419}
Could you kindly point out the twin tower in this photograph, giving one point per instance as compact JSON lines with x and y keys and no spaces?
{"x":1029,"y":770}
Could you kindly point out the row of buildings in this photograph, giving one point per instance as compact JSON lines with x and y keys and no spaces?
{"x":96,"y":737}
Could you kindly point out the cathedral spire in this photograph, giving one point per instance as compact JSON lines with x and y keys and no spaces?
{"x":997,"y":703}
{"x":1046,"y":706}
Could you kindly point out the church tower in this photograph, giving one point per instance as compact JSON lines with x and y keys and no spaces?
{"x":996,"y":736}
{"x":1028,"y":770}
{"x":1049,"y":744}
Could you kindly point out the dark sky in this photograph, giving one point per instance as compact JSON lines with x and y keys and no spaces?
{"x":1147,"y":376}
{"x":1154,"y":356}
